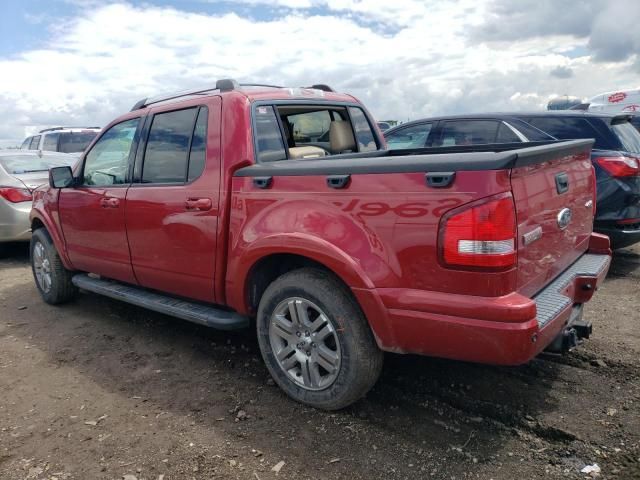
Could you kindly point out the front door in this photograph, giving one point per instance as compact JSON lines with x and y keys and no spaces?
{"x":92,"y":214}
{"x":172,"y":208}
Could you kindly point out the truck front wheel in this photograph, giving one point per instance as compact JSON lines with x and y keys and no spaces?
{"x":52,"y":279}
{"x":315,"y":340}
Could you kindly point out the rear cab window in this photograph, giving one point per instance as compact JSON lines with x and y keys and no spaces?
{"x":304,"y":131}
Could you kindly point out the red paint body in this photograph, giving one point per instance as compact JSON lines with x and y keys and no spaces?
{"x":380,"y":235}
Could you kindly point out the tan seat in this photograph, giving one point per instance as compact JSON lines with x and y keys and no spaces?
{"x":341,"y":137}
{"x":297,"y":153}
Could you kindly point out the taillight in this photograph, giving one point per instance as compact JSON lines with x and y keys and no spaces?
{"x":594,"y":184}
{"x":480,"y":235}
{"x":15,"y":195}
{"x":620,"y":166}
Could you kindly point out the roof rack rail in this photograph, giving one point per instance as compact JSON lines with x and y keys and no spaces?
{"x":224,"y":85}
{"x":322,"y":86}
{"x":61,"y":128}
{"x":260,"y":85}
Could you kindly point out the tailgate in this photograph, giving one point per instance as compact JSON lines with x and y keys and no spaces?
{"x":553,"y":190}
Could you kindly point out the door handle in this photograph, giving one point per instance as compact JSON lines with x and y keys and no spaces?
{"x":198,"y":204}
{"x":109,"y":202}
{"x":338,"y":181}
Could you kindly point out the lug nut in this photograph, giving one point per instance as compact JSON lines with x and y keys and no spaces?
{"x":298,"y":334}
{"x":313,"y":345}
{"x":306,"y":334}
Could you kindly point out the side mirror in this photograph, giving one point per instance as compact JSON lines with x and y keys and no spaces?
{"x":60,"y":177}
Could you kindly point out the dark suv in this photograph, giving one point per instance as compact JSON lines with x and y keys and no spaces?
{"x":615,"y":156}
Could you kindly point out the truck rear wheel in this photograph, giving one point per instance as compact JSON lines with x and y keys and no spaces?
{"x":315,"y":340}
{"x":52,"y":279}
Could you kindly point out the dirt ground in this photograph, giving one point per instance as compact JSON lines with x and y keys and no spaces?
{"x":101,"y":390}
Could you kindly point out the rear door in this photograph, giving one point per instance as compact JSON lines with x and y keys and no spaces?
{"x":172,"y":208}
{"x":92,"y":214}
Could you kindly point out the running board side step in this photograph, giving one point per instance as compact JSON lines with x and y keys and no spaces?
{"x":192,"y":311}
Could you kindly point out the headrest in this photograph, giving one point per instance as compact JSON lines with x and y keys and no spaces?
{"x":341,"y":137}
{"x":296,"y":153}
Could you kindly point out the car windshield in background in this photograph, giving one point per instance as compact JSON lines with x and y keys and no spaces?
{"x":15,"y":165}
{"x":628,"y":135}
{"x":74,"y":142}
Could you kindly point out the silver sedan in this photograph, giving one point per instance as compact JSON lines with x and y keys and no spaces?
{"x":21,"y":172}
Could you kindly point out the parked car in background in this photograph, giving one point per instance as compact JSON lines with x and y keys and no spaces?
{"x":616,"y":158}
{"x":619,"y":101}
{"x":384,"y":126}
{"x":224,"y":205}
{"x":615,"y":153}
{"x":462,"y":130}
{"x":635,"y":121}
{"x":20,"y":173}
{"x":61,"y":139}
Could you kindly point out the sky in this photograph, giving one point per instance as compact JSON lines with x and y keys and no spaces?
{"x":84,"y":62}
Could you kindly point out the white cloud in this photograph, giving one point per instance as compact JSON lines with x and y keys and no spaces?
{"x":402,"y":58}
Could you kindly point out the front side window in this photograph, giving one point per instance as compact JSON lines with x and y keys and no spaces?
{"x":468,"y":132}
{"x":34,"y":142}
{"x":414,"y":136}
{"x":364,"y":134}
{"x":50,"y":142}
{"x":107,"y":162}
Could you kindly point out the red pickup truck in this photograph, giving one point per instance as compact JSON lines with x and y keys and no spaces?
{"x":282,"y":206}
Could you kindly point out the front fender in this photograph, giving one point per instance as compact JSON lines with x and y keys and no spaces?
{"x":45,"y":210}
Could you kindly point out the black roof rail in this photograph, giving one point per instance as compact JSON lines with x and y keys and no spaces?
{"x":61,"y":128}
{"x":260,"y":85}
{"x":224,"y":85}
{"x":322,"y":86}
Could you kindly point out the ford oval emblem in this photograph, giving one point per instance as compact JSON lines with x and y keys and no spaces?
{"x":564,"y":218}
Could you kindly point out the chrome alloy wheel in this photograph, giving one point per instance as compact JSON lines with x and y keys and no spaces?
{"x":42,"y":267}
{"x":305,"y":344}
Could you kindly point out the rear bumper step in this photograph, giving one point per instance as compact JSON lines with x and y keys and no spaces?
{"x":192,"y":311}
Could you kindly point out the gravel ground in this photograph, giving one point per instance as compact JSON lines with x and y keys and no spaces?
{"x":101,"y":390}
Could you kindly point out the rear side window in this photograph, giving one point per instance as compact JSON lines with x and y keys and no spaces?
{"x":165,"y":159}
{"x":506,"y":135}
{"x":34,"y":143}
{"x":414,"y":136}
{"x":75,"y":142}
{"x":364,"y":134}
{"x":569,"y":128}
{"x":50,"y":142}
{"x":532,"y":133}
{"x":26,"y":143}
{"x":198,"y":145}
{"x":268,"y":136}
{"x":468,"y":132}
{"x":628,"y":136}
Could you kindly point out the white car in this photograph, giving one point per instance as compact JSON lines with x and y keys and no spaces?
{"x":61,"y":139}
{"x":620,"y":101}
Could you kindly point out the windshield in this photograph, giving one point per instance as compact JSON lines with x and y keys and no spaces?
{"x":629,"y":137}
{"x":72,"y":142}
{"x":31,"y":163}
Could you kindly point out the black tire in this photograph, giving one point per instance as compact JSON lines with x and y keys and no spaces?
{"x":61,"y":290}
{"x":361,"y":359}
